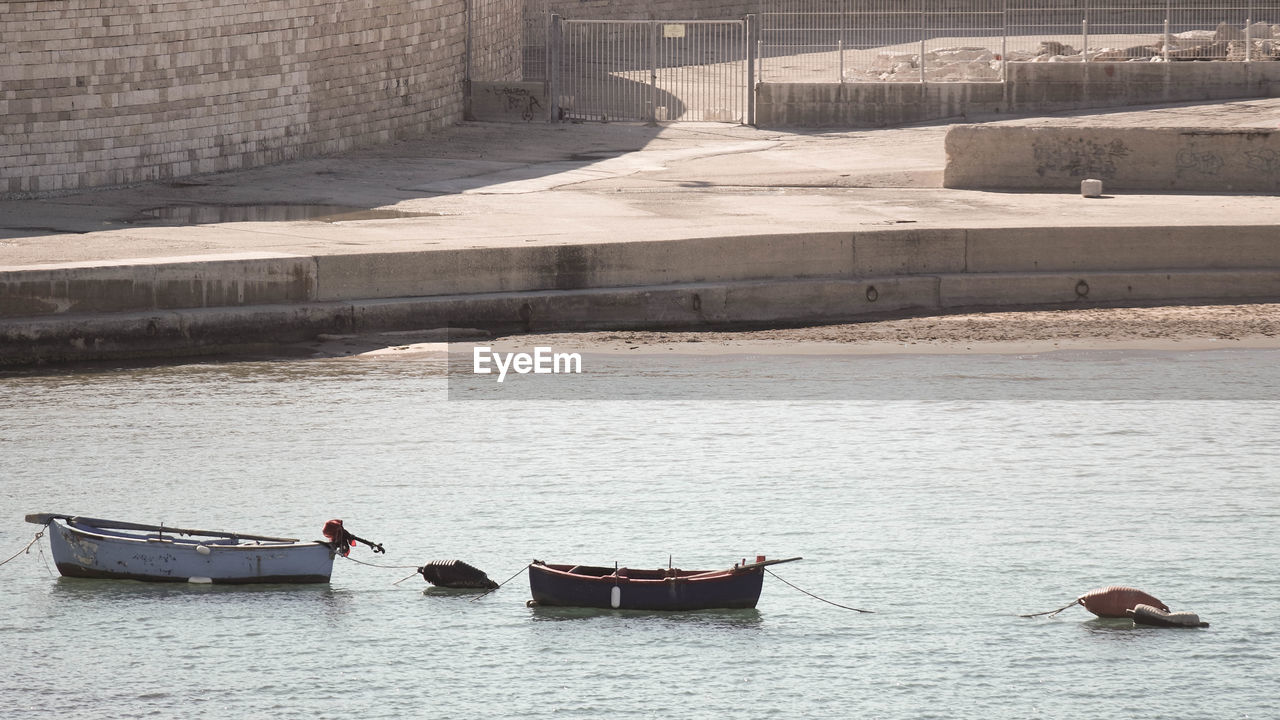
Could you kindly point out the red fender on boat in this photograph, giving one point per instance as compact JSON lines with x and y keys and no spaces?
{"x":1115,"y":601}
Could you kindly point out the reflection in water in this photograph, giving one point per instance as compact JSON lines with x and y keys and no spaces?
{"x":1114,"y":628}
{"x":109,"y":591}
{"x":466,"y":594}
{"x":735,"y":619}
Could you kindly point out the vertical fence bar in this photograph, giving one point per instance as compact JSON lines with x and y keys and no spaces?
{"x":923,"y":35}
{"x":555,"y":36}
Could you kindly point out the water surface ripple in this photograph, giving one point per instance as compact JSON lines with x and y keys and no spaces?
{"x":947,"y":517}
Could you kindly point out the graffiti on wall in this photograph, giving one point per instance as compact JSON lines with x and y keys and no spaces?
{"x":1198,"y":161}
{"x":1078,"y":157}
{"x":1264,"y":161}
{"x":517,"y":100}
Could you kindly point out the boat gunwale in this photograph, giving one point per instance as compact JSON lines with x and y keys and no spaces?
{"x":682,"y":575}
{"x":189,"y":541}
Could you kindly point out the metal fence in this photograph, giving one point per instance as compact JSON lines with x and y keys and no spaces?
{"x":971,"y":40}
{"x":536,"y":27}
{"x":651,"y":70}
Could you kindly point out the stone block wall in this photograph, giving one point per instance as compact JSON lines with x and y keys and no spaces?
{"x":110,"y":92}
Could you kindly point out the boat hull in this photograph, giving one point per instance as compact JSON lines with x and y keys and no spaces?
{"x":556,"y":586}
{"x":86,"y":552}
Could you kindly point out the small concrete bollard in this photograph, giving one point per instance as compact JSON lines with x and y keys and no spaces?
{"x":1091,"y":188}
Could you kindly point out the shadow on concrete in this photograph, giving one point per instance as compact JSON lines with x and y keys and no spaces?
{"x":360,"y":184}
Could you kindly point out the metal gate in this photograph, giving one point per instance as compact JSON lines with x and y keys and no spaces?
{"x":651,"y":70}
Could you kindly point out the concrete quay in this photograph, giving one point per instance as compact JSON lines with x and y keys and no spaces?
{"x":572,"y":227}
{"x":1174,"y":149}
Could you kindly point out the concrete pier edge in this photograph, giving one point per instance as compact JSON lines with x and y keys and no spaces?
{"x":778,"y":280}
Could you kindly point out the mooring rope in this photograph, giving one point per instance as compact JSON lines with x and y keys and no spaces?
{"x":1051,"y":613}
{"x":406,"y":577}
{"x":384,"y":567}
{"x":815,"y":597}
{"x":504,"y":582}
{"x":34,"y":540}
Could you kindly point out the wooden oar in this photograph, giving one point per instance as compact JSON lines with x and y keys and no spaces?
{"x":45,"y":518}
{"x":762,"y":563}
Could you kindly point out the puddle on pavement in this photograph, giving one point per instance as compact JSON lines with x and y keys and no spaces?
{"x":212,"y":214}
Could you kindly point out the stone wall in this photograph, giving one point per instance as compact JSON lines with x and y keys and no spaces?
{"x":110,"y":92}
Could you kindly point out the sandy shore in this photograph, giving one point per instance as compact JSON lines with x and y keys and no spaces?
{"x":1181,"y":328}
{"x":1155,"y":328}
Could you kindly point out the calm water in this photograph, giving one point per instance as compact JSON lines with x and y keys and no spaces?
{"x":948,"y":517}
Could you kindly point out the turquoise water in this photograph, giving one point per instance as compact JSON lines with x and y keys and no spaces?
{"x":947,"y":517}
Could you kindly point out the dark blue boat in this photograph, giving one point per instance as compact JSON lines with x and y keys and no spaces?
{"x":662,"y":589}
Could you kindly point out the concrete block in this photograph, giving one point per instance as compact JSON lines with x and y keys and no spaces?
{"x":156,"y":285}
{"x":1015,"y":290}
{"x":1105,"y":249}
{"x":563,"y":267}
{"x":908,"y":252}
{"x":1125,"y":158}
{"x":1006,"y":290}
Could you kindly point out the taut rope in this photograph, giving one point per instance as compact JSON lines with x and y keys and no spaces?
{"x":815,"y":597}
{"x":504,"y":582}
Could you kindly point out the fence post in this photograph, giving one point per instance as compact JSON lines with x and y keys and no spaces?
{"x":840,"y":49}
{"x":1248,"y":37}
{"x":923,"y":34}
{"x":555,"y":42}
{"x":1004,"y":42}
{"x":1164,"y":53}
{"x":1084,"y":39}
{"x":653,"y":72}
{"x":749,"y":38}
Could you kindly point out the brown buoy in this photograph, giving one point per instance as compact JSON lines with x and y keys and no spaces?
{"x":1113,"y":601}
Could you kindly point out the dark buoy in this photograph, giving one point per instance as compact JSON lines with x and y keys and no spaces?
{"x":455,"y":574}
{"x":1155,"y":617}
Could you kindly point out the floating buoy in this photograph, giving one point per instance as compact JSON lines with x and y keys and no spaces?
{"x":1147,"y":615}
{"x":1113,"y":601}
{"x":455,"y":574}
